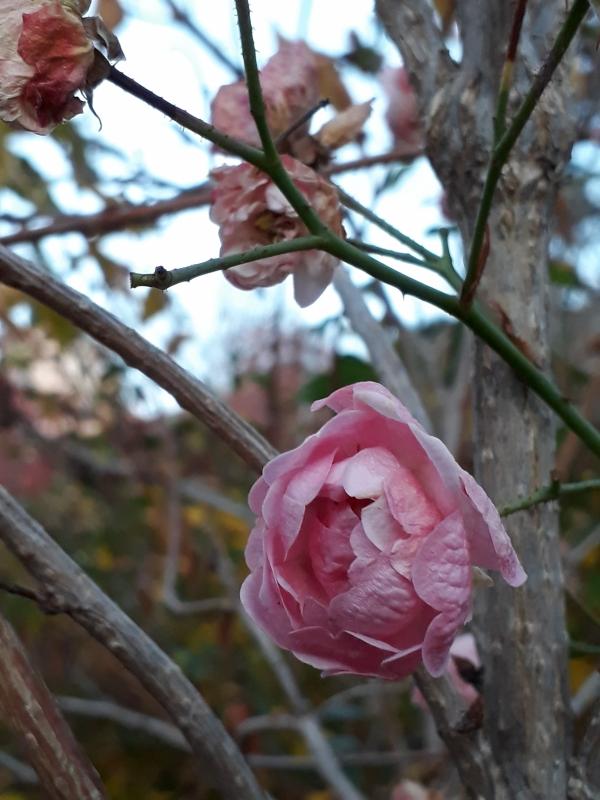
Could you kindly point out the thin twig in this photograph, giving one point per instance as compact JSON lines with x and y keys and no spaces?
{"x":163,"y":278}
{"x":67,"y":585}
{"x":214,"y":49}
{"x":302,"y":120}
{"x":551,"y":492}
{"x":507,"y":70}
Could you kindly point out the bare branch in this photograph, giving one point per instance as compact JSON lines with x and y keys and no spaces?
{"x":190,"y":393}
{"x":28,"y":708}
{"x":70,"y":590}
{"x":133,"y":720}
{"x":386,"y":361}
{"x":21,"y":772}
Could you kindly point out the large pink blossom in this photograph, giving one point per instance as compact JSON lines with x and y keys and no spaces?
{"x":45,"y":55}
{"x":251,"y":211}
{"x":402,"y":112}
{"x":289,"y":83}
{"x":362,"y":553}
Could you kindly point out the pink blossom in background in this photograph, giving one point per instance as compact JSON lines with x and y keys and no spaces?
{"x":464,"y":648}
{"x":402,"y":113}
{"x":251,"y":211}
{"x":365,"y":538}
{"x":289,"y":86}
{"x":45,"y":55}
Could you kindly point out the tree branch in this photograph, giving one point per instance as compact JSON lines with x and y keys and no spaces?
{"x":67,"y":588}
{"x":551,"y":492}
{"x":163,"y":278}
{"x":191,"y":394}
{"x":28,"y":708}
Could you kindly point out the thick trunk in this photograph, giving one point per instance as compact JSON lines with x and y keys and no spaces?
{"x":522,"y":632}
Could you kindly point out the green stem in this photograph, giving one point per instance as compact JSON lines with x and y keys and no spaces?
{"x":186,"y":120}
{"x":406,"y":258}
{"x":162,"y":278}
{"x":551,"y":492}
{"x":507,"y":70}
{"x":475,"y":319}
{"x":502,"y":149}
{"x":385,"y":226}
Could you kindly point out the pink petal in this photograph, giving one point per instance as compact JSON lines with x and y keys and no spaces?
{"x":438,"y":640}
{"x":256,"y":496}
{"x":254,"y":553}
{"x":336,"y":654}
{"x":441,"y":570}
{"x":381,"y":604}
{"x":330,"y":551}
{"x":489,"y":542}
{"x":409,"y":504}
{"x":379,"y":525}
{"x":366,"y":472}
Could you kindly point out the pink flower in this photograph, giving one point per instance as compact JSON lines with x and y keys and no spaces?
{"x":409,"y":790}
{"x":45,"y":55}
{"x":251,"y":211}
{"x":290,"y":87}
{"x":402,"y":113}
{"x":366,"y":534}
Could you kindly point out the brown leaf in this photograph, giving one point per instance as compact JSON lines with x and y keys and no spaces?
{"x":345,"y":126}
{"x":330,"y":84}
{"x":111,"y":12}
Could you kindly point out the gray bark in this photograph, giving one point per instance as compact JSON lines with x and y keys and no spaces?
{"x":522,"y":632}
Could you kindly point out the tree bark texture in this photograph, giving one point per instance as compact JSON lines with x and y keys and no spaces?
{"x":29,"y":709}
{"x":522,"y":633}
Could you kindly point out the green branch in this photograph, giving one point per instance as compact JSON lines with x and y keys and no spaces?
{"x":270,"y":163}
{"x":475,"y":319}
{"x":502,"y":149}
{"x":163,"y":278}
{"x":507,"y":70}
{"x":385,"y":226}
{"x":186,"y":120}
{"x":551,"y":492}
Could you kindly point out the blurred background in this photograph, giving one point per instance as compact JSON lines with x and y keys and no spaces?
{"x":148,"y":502}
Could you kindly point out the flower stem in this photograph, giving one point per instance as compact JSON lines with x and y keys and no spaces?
{"x":503,"y":147}
{"x":551,"y":492}
{"x":186,"y":120}
{"x":163,"y":278}
{"x":475,"y":319}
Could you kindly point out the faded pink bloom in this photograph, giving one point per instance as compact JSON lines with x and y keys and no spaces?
{"x":45,"y":55}
{"x":463,"y":653}
{"x":251,"y":211}
{"x":289,"y":84}
{"x":366,"y":534}
{"x":402,"y":113}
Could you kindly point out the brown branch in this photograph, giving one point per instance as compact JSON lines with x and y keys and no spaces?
{"x":112,"y":218}
{"x":29,"y":710}
{"x":191,"y":394}
{"x":115,"y":218}
{"x":67,"y":587}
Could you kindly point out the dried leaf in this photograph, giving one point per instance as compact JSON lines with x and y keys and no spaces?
{"x":111,"y":12}
{"x":330,"y":84}
{"x":345,"y":126}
